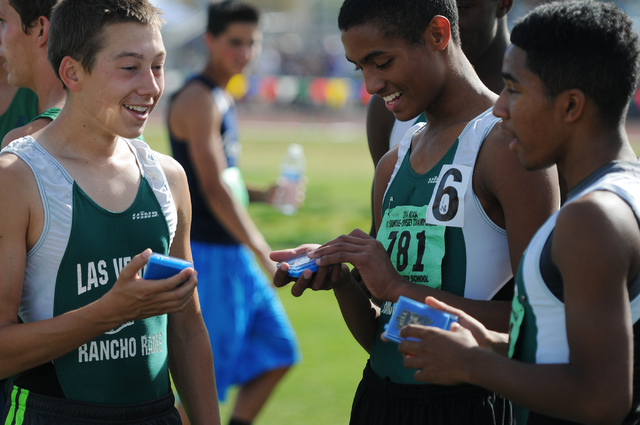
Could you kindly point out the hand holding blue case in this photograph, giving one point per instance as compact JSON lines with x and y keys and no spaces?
{"x":410,"y":312}
{"x":299,"y":264}
{"x":162,"y":266}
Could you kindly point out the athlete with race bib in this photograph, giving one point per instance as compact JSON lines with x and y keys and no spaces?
{"x":453,"y":209}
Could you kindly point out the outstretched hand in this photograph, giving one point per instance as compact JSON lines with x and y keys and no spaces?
{"x":134,"y":298}
{"x":326,"y":278}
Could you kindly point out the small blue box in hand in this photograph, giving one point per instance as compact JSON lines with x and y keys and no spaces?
{"x":162,"y":266}
{"x":410,"y":312}
{"x":299,"y":264}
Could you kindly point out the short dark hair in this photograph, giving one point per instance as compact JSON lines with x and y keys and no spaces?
{"x":588,"y":45}
{"x":77,"y":26}
{"x":406,"y":19}
{"x":229,"y":11}
{"x":31,"y":10}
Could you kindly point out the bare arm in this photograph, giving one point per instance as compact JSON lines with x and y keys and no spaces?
{"x":190,"y":358}
{"x":24,"y":346}
{"x":195,"y":118}
{"x":596,"y":246}
{"x":517,"y":200}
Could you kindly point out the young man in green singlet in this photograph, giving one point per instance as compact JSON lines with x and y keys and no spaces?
{"x":575,"y":320}
{"x":84,"y":205}
{"x":453,"y":208}
{"x":484,"y":36}
{"x":24,"y":34}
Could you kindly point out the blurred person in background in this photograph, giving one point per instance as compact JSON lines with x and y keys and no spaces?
{"x":24,"y":41}
{"x":18,"y":105}
{"x":253,"y":342}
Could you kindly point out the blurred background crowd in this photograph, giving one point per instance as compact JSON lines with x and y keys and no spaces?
{"x":301,"y":66}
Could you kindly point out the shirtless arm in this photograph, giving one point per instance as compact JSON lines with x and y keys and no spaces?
{"x":517,"y":200}
{"x":190,"y":358}
{"x":24,"y":346}
{"x":195,"y":118}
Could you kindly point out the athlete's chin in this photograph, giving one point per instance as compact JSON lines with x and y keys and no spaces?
{"x":531,"y":164}
{"x":405,"y":115}
{"x":131,"y":133}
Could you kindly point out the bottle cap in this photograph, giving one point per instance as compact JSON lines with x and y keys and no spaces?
{"x":295,"y":149}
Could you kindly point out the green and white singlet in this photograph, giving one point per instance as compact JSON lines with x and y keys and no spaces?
{"x":437,"y":234}
{"x":78,"y":259}
{"x":538,"y":331}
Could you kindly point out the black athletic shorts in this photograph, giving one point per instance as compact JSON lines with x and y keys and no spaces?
{"x":380,"y":401}
{"x":28,"y":408}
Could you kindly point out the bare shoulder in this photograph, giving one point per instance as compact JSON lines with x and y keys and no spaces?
{"x":20,"y":198}
{"x":599,"y":225}
{"x":15,"y":173}
{"x":172,"y":169}
{"x":192,"y":111}
{"x":192,"y":96}
{"x":600,"y":212}
{"x":25,"y":130}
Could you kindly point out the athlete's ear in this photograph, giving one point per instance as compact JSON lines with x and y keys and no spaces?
{"x":70,"y":73}
{"x":41,"y":26}
{"x":438,"y":32}
{"x":504,"y":6}
{"x":572,"y":103}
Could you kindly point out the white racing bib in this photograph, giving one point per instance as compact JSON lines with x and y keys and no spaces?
{"x":446,"y":207}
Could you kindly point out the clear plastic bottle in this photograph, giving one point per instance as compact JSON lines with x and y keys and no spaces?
{"x":292,"y":171}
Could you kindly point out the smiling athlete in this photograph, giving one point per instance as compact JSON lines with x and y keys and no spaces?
{"x":453,"y":208}
{"x":87,"y":339}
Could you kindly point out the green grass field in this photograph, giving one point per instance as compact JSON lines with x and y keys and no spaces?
{"x":320,"y":389}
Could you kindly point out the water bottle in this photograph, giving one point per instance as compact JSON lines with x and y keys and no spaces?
{"x":292,"y":171}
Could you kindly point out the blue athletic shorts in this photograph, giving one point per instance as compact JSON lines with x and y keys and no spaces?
{"x":248,"y":327}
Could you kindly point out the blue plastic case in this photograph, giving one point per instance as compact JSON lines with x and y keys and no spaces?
{"x":162,"y":266}
{"x":297,"y":265}
{"x":410,"y":312}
